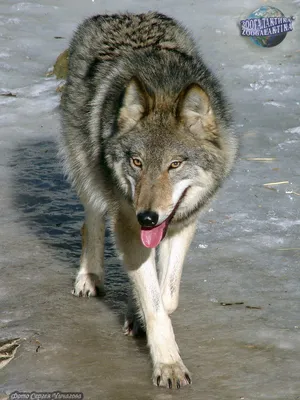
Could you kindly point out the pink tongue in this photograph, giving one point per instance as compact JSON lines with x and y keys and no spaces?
{"x":151,"y":237}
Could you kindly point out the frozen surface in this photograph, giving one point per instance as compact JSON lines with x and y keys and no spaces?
{"x":246,"y":248}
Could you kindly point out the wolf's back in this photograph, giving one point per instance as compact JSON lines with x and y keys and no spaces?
{"x":107,"y":37}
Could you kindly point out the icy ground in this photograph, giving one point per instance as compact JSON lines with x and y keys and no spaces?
{"x":246,"y":249}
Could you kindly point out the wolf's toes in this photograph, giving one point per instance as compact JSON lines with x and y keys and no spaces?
{"x":133,"y":327}
{"x":172,"y":376}
{"x":87,"y":285}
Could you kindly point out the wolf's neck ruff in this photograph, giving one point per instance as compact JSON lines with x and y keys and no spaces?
{"x":151,"y":237}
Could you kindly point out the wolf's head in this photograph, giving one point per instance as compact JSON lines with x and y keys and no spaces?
{"x":168,"y":155}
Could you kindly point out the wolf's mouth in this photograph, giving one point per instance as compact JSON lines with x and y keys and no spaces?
{"x":151,"y":237}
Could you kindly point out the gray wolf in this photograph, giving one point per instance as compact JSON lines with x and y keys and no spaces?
{"x":147,"y":141}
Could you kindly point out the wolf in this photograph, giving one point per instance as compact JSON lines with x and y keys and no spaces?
{"x":147,"y":140}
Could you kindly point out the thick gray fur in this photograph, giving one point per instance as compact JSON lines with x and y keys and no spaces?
{"x":105,"y":53}
{"x":146,"y":127}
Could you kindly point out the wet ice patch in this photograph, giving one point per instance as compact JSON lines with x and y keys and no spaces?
{"x":32,"y":8}
{"x":264,"y":67}
{"x":4,"y":54}
{"x":259,"y":85}
{"x":47,"y":86}
{"x":270,"y":241}
{"x":40,"y":90}
{"x":292,"y":139}
{"x":283,"y":146}
{"x":286,"y":224}
{"x":293,"y":130}
{"x":5,"y":20}
{"x":13,"y":21}
{"x":7,"y":67}
{"x":273,"y":103}
{"x":214,"y":300}
{"x":280,"y":340}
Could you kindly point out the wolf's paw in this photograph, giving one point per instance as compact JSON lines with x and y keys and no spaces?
{"x":172,"y":376}
{"x":87,"y":285}
{"x":133,"y":326}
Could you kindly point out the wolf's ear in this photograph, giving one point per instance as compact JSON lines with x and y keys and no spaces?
{"x":195,"y":111}
{"x":135,"y":105}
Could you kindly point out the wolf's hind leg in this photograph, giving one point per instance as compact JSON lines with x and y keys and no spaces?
{"x":134,"y":324}
{"x":89,"y":280}
{"x":172,"y":252}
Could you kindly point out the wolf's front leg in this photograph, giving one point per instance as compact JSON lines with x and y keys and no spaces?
{"x":169,"y":369}
{"x":172,"y":253}
{"x":89,"y":280}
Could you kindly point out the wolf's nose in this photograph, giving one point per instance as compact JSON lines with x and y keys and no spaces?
{"x":147,"y":218}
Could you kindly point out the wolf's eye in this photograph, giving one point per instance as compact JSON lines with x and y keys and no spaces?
{"x":136,"y":162}
{"x":175,"y":164}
